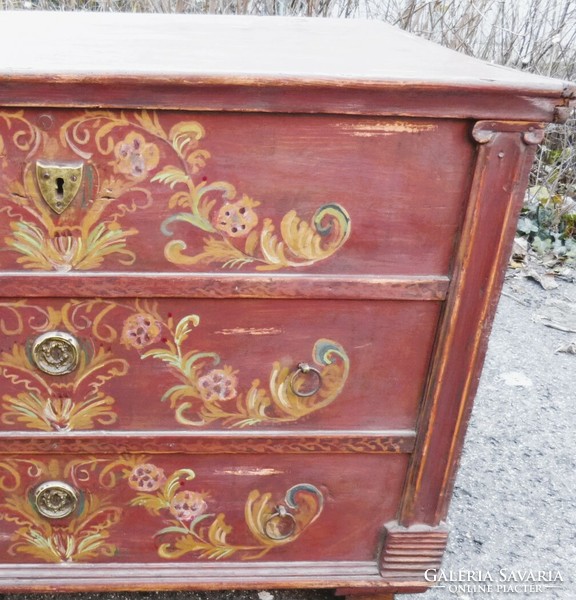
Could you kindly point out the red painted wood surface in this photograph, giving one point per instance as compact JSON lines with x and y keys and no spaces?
{"x":139,"y":508}
{"x":258,"y":219}
{"x":255,"y":177}
{"x":504,"y":160}
{"x":228,"y":285}
{"x":132,"y":357}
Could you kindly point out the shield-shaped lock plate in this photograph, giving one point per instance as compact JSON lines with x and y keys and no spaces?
{"x":59,"y":183}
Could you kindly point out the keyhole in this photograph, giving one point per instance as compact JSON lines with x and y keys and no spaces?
{"x":59,"y":188}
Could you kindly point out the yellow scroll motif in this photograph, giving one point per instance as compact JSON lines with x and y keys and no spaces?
{"x":47,"y":242}
{"x":190,"y":527}
{"x":82,"y":537}
{"x":237,"y":236}
{"x":47,"y":403}
{"x":123,"y":152}
{"x":204,"y":390}
{"x":207,"y":391}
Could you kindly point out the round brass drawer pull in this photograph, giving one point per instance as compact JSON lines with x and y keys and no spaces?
{"x":281,"y":525}
{"x":56,"y":353}
{"x":313,"y":377}
{"x":55,"y":499}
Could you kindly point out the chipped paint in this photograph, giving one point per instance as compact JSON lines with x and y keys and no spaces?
{"x":369,"y":129}
{"x":249,"y":471}
{"x":250,"y":331}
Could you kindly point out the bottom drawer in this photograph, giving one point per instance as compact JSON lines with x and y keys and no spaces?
{"x":138,"y":508}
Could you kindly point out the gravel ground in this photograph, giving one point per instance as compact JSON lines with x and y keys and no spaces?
{"x":514,"y":504}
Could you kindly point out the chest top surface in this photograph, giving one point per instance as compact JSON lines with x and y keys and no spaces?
{"x":262,"y":54}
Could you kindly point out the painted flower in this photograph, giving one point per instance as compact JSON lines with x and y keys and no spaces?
{"x":218,"y":384}
{"x":237,"y":219}
{"x":135,"y":156}
{"x":146,"y":478}
{"x":141,"y":330}
{"x":187,"y":505}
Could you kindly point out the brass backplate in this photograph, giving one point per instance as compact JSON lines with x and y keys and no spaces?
{"x":55,"y":499}
{"x":59,"y":183}
{"x":56,"y":353}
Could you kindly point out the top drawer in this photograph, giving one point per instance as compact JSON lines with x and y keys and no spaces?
{"x":204,"y":192}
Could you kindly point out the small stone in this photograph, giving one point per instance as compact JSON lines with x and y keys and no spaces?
{"x":516,"y":379}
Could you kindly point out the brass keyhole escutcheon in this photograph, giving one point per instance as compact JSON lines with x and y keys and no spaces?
{"x":56,"y":352}
{"x":59,"y":183}
{"x":55,"y":499}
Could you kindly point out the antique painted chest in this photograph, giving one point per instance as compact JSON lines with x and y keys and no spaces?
{"x":248,"y":271}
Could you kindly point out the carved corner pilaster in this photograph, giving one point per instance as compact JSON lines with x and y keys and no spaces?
{"x":408,"y":552}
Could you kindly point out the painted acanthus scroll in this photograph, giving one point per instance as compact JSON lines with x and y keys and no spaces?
{"x":82,"y":537}
{"x":190,"y":528}
{"x":125,"y":152}
{"x":90,"y":230}
{"x":236,"y":234}
{"x":207,"y":391}
{"x":47,"y":403}
{"x":204,"y":391}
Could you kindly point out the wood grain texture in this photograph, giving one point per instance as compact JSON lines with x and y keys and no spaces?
{"x":176,"y":364}
{"x":503,"y":163}
{"x":314,"y":205}
{"x":258,"y":193}
{"x":294,"y":97}
{"x":326,"y":49}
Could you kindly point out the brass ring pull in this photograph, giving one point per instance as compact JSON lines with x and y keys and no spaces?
{"x":56,"y":353}
{"x":55,"y":499}
{"x":305,"y":369}
{"x":281,"y":525}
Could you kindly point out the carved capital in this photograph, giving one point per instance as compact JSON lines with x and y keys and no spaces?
{"x":532,"y":133}
{"x":408,"y":552}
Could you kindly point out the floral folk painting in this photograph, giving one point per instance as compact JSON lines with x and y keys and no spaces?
{"x":142,"y":170}
{"x":117,"y":340}
{"x":185,"y":519}
{"x":35,"y":400}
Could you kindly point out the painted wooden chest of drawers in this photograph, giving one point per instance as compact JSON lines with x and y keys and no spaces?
{"x":248,"y":272}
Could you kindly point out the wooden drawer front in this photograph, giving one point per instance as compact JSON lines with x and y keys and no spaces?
{"x":168,"y":191}
{"x":213,"y":364}
{"x":166,"y":508}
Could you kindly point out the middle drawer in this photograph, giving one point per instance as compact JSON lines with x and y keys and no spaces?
{"x":181,"y":364}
